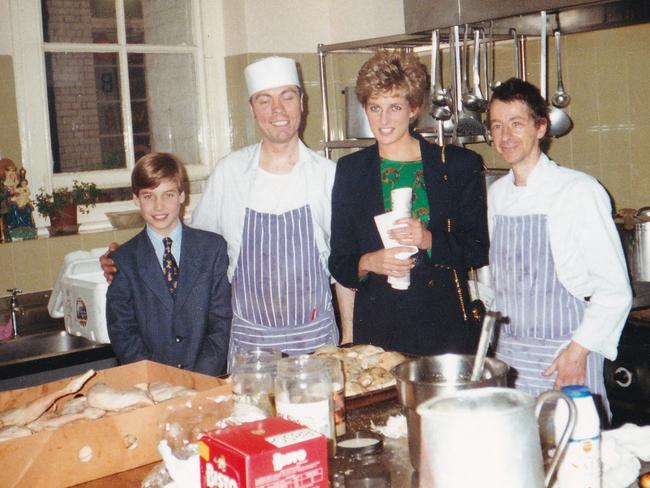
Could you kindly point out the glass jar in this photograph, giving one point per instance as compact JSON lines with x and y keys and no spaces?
{"x":253,"y":377}
{"x":303,"y":393}
{"x":359,"y":462}
{"x":335,"y":368}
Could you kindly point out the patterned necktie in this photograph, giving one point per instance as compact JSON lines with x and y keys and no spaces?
{"x":170,"y":268}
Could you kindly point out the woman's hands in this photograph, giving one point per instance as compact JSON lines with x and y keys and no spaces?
{"x":411,"y":232}
{"x":385,"y":262}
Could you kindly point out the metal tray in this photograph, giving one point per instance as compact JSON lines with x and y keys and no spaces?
{"x":370,"y":397}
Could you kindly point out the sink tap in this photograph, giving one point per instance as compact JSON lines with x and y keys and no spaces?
{"x":15,"y":309}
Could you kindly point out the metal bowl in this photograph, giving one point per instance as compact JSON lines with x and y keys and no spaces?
{"x":432,"y":376}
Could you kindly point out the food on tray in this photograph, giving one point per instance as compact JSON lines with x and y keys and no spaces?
{"x":52,"y":421}
{"x":161,"y":391}
{"x":366,"y":367}
{"x":75,"y":405}
{"x":39,"y":415}
{"x":33,"y":410}
{"x":13,"y":432}
{"x":103,"y":396}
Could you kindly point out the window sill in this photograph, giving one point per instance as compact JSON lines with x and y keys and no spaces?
{"x":97,"y":221}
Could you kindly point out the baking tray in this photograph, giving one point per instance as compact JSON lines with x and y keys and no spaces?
{"x":370,"y":397}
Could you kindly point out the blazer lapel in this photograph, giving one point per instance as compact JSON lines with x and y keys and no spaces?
{"x":436,"y":179}
{"x":151,"y":273}
{"x":373,"y":179}
{"x":188,"y":267}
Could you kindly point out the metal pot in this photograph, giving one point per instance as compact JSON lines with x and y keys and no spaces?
{"x":432,"y":376}
{"x":488,"y":437}
{"x":634,"y":229}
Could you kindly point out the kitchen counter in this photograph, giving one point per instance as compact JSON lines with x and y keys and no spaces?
{"x":394,"y":459}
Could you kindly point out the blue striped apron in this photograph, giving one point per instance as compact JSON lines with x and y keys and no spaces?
{"x":541,"y":314}
{"x":281,"y":295}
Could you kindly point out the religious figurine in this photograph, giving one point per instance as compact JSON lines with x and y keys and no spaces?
{"x":16,"y":207}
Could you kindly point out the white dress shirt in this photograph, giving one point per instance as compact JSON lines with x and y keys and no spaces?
{"x":586,"y":248}
{"x":228,"y":193}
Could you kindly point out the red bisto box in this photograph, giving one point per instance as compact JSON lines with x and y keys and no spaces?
{"x":270,"y":453}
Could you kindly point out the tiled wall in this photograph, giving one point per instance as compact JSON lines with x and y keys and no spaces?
{"x":606,"y":73}
{"x":34,"y":265}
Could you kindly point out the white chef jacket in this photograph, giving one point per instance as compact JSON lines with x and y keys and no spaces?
{"x":586,"y":248}
{"x":222,"y":208}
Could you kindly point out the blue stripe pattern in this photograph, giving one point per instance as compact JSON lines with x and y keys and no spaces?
{"x":281,"y":294}
{"x":528,"y":290}
{"x":541,"y":315}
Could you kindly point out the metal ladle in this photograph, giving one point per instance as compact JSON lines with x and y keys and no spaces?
{"x":494,"y":83}
{"x":468,"y":122}
{"x":560,"y":98}
{"x":473,"y":99}
{"x":484,"y":342}
{"x":561,"y":123}
{"x":439,"y":95}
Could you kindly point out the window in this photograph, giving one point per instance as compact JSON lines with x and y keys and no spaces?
{"x":102,"y":82}
{"x":89,"y":89}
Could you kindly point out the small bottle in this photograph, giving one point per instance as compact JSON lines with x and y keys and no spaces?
{"x":581,"y":466}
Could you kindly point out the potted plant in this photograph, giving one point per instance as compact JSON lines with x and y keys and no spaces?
{"x":61,"y":205}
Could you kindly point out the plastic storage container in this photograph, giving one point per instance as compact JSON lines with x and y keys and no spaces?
{"x":79,"y":295}
{"x":581,"y":466}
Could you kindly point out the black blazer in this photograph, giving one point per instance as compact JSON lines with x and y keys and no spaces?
{"x":457,"y":205}
{"x":190,"y":330}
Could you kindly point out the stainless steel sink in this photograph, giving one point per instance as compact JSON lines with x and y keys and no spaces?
{"x":46,"y":344}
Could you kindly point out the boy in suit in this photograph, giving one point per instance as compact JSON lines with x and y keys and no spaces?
{"x":170,"y":300}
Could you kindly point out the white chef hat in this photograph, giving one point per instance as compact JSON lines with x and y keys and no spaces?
{"x":270,"y":72}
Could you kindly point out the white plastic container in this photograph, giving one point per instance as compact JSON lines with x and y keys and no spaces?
{"x":581,"y":465}
{"x":79,"y":295}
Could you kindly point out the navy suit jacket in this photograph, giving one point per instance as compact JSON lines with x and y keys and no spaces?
{"x":457,"y":206}
{"x":189,"y":330}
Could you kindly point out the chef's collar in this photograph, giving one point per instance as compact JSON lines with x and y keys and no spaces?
{"x":254,"y":163}
{"x":536,"y":176}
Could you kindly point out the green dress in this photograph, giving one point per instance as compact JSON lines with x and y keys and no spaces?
{"x":406,"y":174}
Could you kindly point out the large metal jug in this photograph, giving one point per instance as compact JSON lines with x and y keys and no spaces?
{"x":487,"y":437}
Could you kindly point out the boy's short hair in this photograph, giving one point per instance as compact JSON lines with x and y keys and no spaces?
{"x":154,"y":167}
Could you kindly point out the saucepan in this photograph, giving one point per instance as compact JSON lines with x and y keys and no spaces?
{"x":427,"y":377}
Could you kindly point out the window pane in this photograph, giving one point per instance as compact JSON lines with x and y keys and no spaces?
{"x":91,"y":21}
{"x":164,"y":22}
{"x":85,"y":118}
{"x":164,"y":109}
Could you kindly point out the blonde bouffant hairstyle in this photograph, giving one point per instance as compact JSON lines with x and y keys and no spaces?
{"x":393,"y":71}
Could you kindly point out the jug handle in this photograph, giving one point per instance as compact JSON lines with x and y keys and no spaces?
{"x":568,"y":430}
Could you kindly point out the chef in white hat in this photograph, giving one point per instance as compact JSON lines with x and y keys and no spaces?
{"x":271,"y":202}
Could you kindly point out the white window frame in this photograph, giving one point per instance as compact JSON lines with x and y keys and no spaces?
{"x":33,"y":117}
